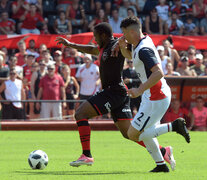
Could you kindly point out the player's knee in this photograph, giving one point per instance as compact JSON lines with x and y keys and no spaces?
{"x":133,"y":136}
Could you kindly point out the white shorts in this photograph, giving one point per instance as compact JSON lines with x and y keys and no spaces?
{"x":150,"y":113}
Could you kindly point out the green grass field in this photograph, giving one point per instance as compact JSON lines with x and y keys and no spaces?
{"x":115,"y":157}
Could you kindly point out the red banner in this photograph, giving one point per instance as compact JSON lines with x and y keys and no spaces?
{"x":180,"y":42}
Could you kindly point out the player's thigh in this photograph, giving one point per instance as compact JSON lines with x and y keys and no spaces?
{"x":150,"y":113}
{"x":123,"y":127}
{"x":106,"y":101}
{"x":85,"y":111}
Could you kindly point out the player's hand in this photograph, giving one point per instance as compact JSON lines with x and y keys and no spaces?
{"x":134,"y":92}
{"x":122,"y":42}
{"x":61,"y":40}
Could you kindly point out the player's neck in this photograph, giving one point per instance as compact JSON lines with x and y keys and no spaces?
{"x":138,"y":39}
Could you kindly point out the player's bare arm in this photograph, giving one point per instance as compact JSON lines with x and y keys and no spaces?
{"x":123,"y":46}
{"x":154,"y":78}
{"x":90,"y":49}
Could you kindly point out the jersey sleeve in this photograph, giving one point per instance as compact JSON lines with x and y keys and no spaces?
{"x":147,"y":56}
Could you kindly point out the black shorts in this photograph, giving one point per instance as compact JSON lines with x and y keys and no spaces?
{"x":106,"y":101}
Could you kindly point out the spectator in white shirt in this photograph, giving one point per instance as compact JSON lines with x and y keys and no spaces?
{"x":88,"y":76}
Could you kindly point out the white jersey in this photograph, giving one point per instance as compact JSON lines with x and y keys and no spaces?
{"x":89,"y":77}
{"x":13,"y":91}
{"x":145,"y":56}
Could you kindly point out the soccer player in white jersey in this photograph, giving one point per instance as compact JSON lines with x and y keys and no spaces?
{"x":156,"y":94}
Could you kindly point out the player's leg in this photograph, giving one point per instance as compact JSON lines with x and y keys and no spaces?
{"x":94,"y":106}
{"x":83,"y":113}
{"x":122,"y":118}
{"x":149,"y":114}
{"x":147,"y":117}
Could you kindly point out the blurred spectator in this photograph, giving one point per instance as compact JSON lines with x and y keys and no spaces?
{"x":19,"y":10}
{"x":62,"y":25}
{"x":188,"y":2}
{"x":199,"y":116}
{"x":51,"y":87}
{"x":4,"y":71}
{"x":58,"y":61}
{"x":203,"y":25}
{"x":72,"y":59}
{"x":105,"y":4}
{"x":130,"y":12}
{"x":153,"y":24}
{"x":13,"y":65}
{"x":191,"y":52}
{"x":27,"y":74}
{"x":205,"y":71}
{"x":175,"y":111}
{"x":123,"y":9}
{"x":164,"y":59}
{"x":171,"y":53}
{"x":184,"y":69}
{"x":199,"y":8}
{"x":132,"y":80}
{"x":173,"y":25}
{"x":198,"y":66}
{"x":138,"y":4}
{"x":5,"y":6}
{"x":7,"y":26}
{"x":21,"y":54}
{"x":31,"y":49}
{"x":42,"y":48}
{"x":76,"y":14}
{"x":170,"y":71}
{"x":190,"y":28}
{"x":88,"y":76}
{"x":35,"y":80}
{"x":181,"y":9}
{"x":38,"y":4}
{"x":14,"y":91}
{"x":115,"y":21}
{"x":162,"y":10}
{"x":46,"y":56}
{"x":32,"y":21}
{"x":71,"y":89}
{"x":62,"y":5}
{"x":6,"y":54}
{"x":100,"y":17}
{"x":205,"y":56}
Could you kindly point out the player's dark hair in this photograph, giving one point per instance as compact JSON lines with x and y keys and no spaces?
{"x":104,"y":28}
{"x":133,"y":20}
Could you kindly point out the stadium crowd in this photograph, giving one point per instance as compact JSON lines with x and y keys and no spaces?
{"x":55,"y":74}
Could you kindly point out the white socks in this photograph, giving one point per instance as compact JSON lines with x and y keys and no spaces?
{"x":152,"y":146}
{"x":155,"y":131}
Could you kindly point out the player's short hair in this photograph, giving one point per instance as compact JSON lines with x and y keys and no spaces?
{"x":130,"y":21}
{"x":104,"y":28}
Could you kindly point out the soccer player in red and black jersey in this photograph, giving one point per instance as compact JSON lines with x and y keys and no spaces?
{"x":112,"y":98}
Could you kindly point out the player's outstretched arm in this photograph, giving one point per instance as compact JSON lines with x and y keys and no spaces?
{"x":90,"y":49}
